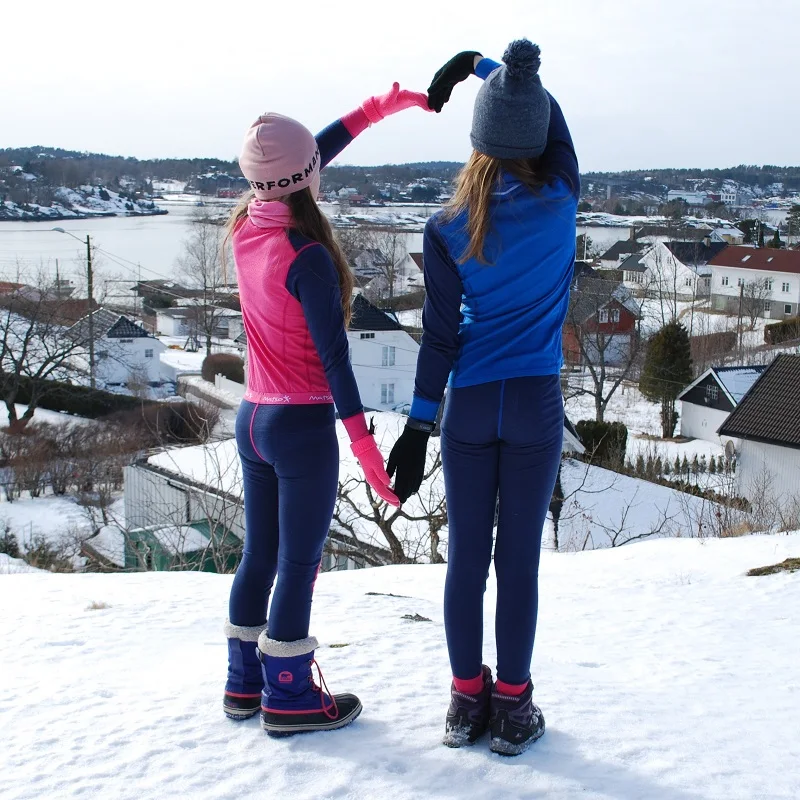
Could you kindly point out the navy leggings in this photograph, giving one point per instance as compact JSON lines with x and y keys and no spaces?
{"x":500,"y":439}
{"x":290,"y":466}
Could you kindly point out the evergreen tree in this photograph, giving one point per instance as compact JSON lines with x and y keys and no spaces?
{"x":676,"y":467}
{"x":712,"y":465}
{"x":695,"y":465}
{"x":666,"y":372}
{"x":703,"y":464}
{"x":584,"y":247}
{"x":640,"y":468}
{"x":760,"y":239}
{"x":659,"y":467}
{"x":775,"y":242}
{"x":667,"y":469}
{"x":793,"y":223}
{"x":685,"y":465}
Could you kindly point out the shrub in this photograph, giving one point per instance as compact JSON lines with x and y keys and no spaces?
{"x":43,"y":554}
{"x":227,"y":364}
{"x":82,"y":401}
{"x":8,"y":542}
{"x":783,"y":331}
{"x":605,"y":442}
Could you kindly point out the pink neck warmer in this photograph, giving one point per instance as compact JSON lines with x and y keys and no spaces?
{"x":269,"y":214}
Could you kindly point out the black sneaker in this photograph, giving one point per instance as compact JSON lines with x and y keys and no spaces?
{"x":468,"y":715}
{"x":517,"y":722}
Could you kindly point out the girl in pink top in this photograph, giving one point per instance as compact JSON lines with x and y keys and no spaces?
{"x":295,"y":288}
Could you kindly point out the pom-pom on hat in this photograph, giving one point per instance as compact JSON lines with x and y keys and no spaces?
{"x":279,"y":156}
{"x":512,"y":109}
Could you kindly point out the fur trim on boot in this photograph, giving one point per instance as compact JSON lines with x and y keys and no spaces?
{"x":292,"y":702}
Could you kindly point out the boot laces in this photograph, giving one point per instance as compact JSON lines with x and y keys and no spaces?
{"x":325,"y":709}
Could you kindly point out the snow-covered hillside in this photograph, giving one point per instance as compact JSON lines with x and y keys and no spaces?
{"x":664,"y":673}
{"x":80,"y":203}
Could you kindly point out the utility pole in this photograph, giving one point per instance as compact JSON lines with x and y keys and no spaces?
{"x":90,"y":290}
{"x":741,"y":332}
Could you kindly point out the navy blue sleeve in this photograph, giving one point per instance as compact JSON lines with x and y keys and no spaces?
{"x":312,"y":280}
{"x":441,"y":320}
{"x":559,"y":159}
{"x":331,"y":141}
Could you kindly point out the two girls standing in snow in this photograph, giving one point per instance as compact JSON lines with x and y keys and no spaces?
{"x":295,"y":288}
{"x":498,"y":262}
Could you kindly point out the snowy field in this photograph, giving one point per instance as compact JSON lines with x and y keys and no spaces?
{"x":663,"y":671}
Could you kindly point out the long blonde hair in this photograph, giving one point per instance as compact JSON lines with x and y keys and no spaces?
{"x":309,"y":221}
{"x":475,"y":183}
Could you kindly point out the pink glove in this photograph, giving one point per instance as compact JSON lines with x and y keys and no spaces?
{"x":366,"y":451}
{"x":376,"y":108}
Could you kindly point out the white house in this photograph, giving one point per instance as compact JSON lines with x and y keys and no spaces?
{"x":383,"y":355}
{"x":679,"y":269}
{"x":728,"y":234}
{"x":184,"y":320}
{"x":123,"y":351}
{"x":707,"y":402}
{"x":767,"y":426}
{"x":375,"y":271}
{"x":693,"y":198}
{"x":619,"y":252}
{"x":173,"y":321}
{"x":762,"y":274}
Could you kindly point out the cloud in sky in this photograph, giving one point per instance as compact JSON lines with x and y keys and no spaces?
{"x":643,"y":84}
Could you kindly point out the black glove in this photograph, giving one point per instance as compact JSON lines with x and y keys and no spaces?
{"x":457,"y":69}
{"x":408,"y":458}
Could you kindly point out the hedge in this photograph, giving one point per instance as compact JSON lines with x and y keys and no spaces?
{"x":605,"y":442}
{"x":82,"y":401}
{"x":227,"y":364}
{"x":783,"y":331}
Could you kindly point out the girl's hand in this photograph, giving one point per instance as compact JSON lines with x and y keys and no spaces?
{"x":457,"y":69}
{"x":397,"y":99}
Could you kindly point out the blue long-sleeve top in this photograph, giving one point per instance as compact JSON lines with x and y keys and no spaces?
{"x":484,"y":322}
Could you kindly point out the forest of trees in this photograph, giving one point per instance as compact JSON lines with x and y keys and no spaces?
{"x":57,"y":167}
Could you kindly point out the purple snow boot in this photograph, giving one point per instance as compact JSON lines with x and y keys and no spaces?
{"x":468,"y":715}
{"x":292,"y":702}
{"x":517,"y":722}
{"x":245,"y":682}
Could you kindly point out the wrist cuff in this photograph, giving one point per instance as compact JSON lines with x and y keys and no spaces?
{"x":425,"y":410}
{"x":370,"y":108}
{"x":356,"y":426}
{"x":420,"y":425}
{"x":356,"y":122}
{"x":363,"y":445}
{"x":485,"y":68}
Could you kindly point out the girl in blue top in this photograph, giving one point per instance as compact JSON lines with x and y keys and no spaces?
{"x":498,"y":262}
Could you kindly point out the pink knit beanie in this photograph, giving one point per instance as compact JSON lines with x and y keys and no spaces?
{"x":279,"y":156}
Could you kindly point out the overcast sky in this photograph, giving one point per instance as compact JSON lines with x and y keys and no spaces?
{"x":676,"y":83}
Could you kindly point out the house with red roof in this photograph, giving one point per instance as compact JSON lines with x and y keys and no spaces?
{"x":767,"y":276}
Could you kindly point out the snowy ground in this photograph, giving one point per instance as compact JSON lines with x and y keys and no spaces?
{"x":663,"y":671}
{"x":44,"y":415}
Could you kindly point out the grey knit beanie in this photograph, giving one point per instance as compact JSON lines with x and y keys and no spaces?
{"x":512,"y":109}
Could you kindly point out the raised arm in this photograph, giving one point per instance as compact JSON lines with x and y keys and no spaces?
{"x":336,"y":136}
{"x":558,"y":159}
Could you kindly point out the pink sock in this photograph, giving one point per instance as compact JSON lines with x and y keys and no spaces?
{"x":471,"y":686}
{"x":511,"y":689}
